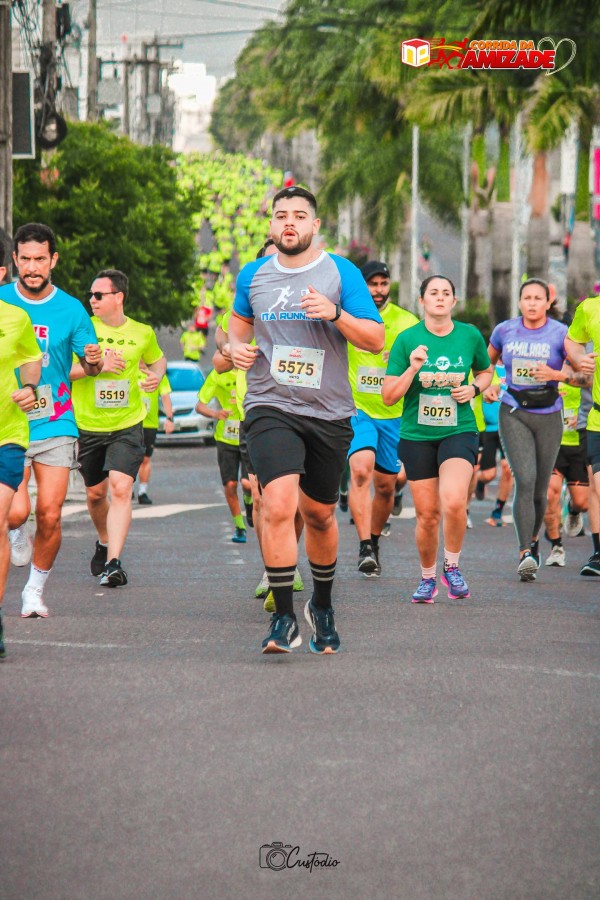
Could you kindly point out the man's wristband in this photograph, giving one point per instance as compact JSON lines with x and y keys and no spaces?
{"x":338,"y":312}
{"x":33,"y":387}
{"x":169,"y":418}
{"x":476,"y":388}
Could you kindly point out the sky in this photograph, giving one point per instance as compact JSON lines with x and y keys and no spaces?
{"x":212,"y":31}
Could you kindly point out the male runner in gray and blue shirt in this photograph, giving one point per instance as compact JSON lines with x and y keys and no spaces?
{"x":302,"y":306}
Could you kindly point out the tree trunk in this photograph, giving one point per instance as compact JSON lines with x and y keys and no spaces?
{"x":538,"y":234}
{"x":581,"y":272}
{"x":501,"y":236}
{"x":479,"y":255}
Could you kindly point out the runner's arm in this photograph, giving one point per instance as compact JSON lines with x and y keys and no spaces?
{"x":493,"y":354}
{"x":30,"y":374}
{"x":579,"y":359}
{"x":241,"y":332}
{"x":222,"y":363}
{"x":364,"y":334}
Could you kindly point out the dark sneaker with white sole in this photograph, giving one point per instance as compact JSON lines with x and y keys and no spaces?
{"x":367,"y":560}
{"x":325,"y":638}
{"x":528,"y":566}
{"x":114,"y":575}
{"x":99,"y":559}
{"x":592,"y":566}
{"x":284,"y":635}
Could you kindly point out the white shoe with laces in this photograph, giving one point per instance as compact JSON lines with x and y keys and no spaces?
{"x":21,"y":546}
{"x":33,"y":603}
{"x":573,"y":526}
{"x":556,"y":556}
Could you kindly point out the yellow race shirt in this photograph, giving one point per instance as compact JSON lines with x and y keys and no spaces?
{"x":585,"y":327}
{"x":112,"y":401}
{"x":18,"y":345}
{"x":366,"y":371}
{"x":150,"y":401}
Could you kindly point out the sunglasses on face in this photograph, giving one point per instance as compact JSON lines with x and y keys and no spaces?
{"x":98,"y":295}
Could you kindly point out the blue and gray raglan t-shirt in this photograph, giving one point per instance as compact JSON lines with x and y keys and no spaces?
{"x":293,"y":348}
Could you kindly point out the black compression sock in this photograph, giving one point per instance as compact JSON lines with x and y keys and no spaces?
{"x":596,"y":541}
{"x":322,"y":583}
{"x":281,"y":582}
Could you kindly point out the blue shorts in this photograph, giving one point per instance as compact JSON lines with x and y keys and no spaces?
{"x":379,"y":435}
{"x":12,"y":465}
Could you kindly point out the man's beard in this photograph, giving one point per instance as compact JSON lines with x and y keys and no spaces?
{"x":302,"y":245}
{"x":38,"y":288}
{"x":381,"y":301}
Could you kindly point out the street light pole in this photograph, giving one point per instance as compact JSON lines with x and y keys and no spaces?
{"x":6,"y":181}
{"x":414,"y":219}
{"x":92,"y":66}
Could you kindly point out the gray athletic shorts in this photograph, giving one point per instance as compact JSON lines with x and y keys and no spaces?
{"x":54,"y":451}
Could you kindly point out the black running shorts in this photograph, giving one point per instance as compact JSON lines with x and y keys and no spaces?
{"x":149,"y":440}
{"x":422,"y":459}
{"x":571,"y":462}
{"x":490,"y":447}
{"x":101,"y":452}
{"x":244,"y":451}
{"x":280,"y":443}
{"x":593,"y":450}
{"x":230,"y":462}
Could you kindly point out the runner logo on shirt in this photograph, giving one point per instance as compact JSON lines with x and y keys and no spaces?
{"x":284,"y":312}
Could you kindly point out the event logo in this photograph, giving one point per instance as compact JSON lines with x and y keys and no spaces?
{"x":501,"y":55}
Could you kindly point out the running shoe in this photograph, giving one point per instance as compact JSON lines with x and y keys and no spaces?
{"x":385,"y":531}
{"x":2,"y":647}
{"x":397,"y":507}
{"x":240,"y":535}
{"x":99,"y":559}
{"x":495,"y":519}
{"x":480,"y":491}
{"x":458,"y":589}
{"x":469,"y":520}
{"x":269,"y":604}
{"x":144,"y":499}
{"x":367,"y":561}
{"x":528,"y":566}
{"x":325,"y":638}
{"x":535,"y":552}
{"x":249,"y":514}
{"x":284,"y":635}
{"x":21,"y":546}
{"x":426,"y":591}
{"x":343,"y":501}
{"x":298,"y":583}
{"x":592,"y":566}
{"x":377,"y":571}
{"x":114,"y":574}
{"x":556,"y":556}
{"x":33,"y":604}
{"x":574,"y":526}
{"x":262,"y":588}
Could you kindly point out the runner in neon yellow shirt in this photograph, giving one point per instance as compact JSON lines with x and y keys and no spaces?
{"x":192,"y":343}
{"x":109,"y":412}
{"x":150,"y":426}
{"x":373,"y":453}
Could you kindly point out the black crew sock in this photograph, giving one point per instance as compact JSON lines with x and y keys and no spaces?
{"x":500,"y":505}
{"x":281,"y":582}
{"x":596,"y":541}
{"x":556,"y":542}
{"x":322,"y":583}
{"x":375,"y":541}
{"x":365,"y":545}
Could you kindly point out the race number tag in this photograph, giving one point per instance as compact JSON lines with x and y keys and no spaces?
{"x":112,"y":394}
{"x":369,"y":380}
{"x":438,"y":410}
{"x":44,"y":407}
{"x":297,"y":366}
{"x":521,"y":372}
{"x":231,"y":431}
{"x":569,"y":419}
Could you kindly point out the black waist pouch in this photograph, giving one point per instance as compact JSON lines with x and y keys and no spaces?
{"x":535,"y":398}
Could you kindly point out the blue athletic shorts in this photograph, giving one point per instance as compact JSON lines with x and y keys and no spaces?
{"x":380,"y":436}
{"x":12,"y":464}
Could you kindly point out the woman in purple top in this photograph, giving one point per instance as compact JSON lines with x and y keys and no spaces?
{"x":531,"y":348}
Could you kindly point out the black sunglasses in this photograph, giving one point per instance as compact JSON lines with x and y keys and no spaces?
{"x":98,"y":295}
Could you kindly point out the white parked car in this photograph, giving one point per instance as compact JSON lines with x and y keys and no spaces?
{"x":186,"y":379}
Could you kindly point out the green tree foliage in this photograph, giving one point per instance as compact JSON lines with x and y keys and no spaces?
{"x":114,"y":204}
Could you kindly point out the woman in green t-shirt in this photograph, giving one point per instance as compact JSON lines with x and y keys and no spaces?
{"x":429,"y":366}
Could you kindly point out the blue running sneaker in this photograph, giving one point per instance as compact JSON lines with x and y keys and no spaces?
{"x":426,"y":591}
{"x":495,"y":519}
{"x":240,"y":536}
{"x":458,"y":589}
{"x":325,"y":638}
{"x":283,"y":636}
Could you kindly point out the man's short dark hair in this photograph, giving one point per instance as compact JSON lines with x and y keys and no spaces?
{"x":290,"y":193}
{"x":35,"y":231}
{"x":119,"y":280}
{"x":263,"y":250}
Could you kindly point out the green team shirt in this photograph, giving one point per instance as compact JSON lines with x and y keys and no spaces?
{"x":150,"y":400}
{"x":18,"y":345}
{"x":112,"y":401}
{"x":585,"y":327}
{"x":192,"y":342}
{"x":571,"y":403}
{"x":429,"y":412}
{"x":223,"y":387}
{"x":366,"y":370}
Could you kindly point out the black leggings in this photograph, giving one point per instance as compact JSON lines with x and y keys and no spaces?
{"x":530,"y":442}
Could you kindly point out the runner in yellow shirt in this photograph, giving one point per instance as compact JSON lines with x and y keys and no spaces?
{"x":109,"y":412}
{"x":150,"y":426}
{"x":192,"y":343}
{"x":18,"y":350}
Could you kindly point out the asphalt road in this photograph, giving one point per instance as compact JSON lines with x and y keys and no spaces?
{"x":149,"y":750}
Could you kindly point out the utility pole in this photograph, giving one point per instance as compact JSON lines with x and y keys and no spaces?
{"x":92,"y":70}
{"x":126,"y":100}
{"x":5,"y":129}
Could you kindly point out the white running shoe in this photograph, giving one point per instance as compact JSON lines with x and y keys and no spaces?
{"x":573,"y":526}
{"x":262,"y":588}
{"x":557,"y":556}
{"x":33,"y":603}
{"x":469,"y":521}
{"x":21,"y":546}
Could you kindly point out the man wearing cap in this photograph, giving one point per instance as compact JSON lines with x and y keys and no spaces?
{"x":373,"y":453}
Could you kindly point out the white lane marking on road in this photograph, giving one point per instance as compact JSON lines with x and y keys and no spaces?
{"x":156,"y":512}
{"x":541,"y":670}
{"x":70,"y":644}
{"x":71,"y":508}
